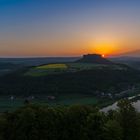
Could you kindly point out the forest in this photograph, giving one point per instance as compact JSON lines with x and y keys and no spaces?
{"x":76,"y":122}
{"x":83,"y":82}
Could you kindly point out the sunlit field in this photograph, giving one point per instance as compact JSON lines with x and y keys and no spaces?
{"x":47,"y":70}
{"x":53,"y":66}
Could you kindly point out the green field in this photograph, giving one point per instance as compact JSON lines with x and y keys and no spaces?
{"x":8,"y":105}
{"x":47,"y":70}
{"x":76,"y":99}
{"x":52,"y":66}
{"x":85,"y":66}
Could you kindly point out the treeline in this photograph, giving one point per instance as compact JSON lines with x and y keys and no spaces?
{"x":34,"y":122}
{"x":83,"y":82}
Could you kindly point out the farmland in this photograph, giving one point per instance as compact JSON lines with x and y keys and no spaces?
{"x":6,"y":104}
{"x":47,"y":69}
{"x":52,"y":66}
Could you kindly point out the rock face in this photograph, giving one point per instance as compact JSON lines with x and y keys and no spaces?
{"x":94,"y":58}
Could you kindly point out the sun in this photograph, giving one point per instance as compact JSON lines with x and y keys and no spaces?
{"x":103,"y":55}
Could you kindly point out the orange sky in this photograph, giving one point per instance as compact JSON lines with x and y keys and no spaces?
{"x":66,"y":45}
{"x":68,"y":28}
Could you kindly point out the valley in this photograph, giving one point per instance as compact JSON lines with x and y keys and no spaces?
{"x":68,"y":83}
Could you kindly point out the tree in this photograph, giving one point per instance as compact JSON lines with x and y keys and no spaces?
{"x":129,"y":121}
{"x":95,"y":123}
{"x":112,"y":130}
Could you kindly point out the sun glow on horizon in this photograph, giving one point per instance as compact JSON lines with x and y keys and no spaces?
{"x":104,"y":47}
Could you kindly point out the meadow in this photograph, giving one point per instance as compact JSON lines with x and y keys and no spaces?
{"x":52,"y":66}
{"x":6,"y":104}
{"x":46,"y":69}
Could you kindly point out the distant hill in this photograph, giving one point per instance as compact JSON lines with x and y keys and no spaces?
{"x":87,"y":62}
{"x":133,"y":62}
{"x":94,"y":58}
{"x":37,"y":60}
{"x":135,"y":53}
{"x":8,"y":67}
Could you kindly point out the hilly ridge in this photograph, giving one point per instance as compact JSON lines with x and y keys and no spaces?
{"x":134,"y":53}
{"x":87,"y":62}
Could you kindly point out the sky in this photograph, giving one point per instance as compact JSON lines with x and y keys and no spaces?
{"x":68,"y":27}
